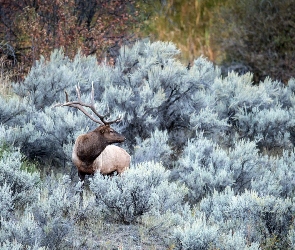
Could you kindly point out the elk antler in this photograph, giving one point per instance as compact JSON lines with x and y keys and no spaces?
{"x":79,"y":105}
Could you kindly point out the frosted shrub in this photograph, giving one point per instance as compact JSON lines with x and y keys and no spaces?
{"x":203,"y":73}
{"x":24,"y":231}
{"x":202,"y":235}
{"x":205,"y":167}
{"x":270,"y":127}
{"x":279,"y":92}
{"x":6,"y":136}
{"x":154,"y":90}
{"x":228,"y":241}
{"x":208,"y":123}
{"x":13,"y":110}
{"x":291,"y":85}
{"x":18,"y":189}
{"x":245,"y":164}
{"x":291,"y":236}
{"x":255,"y":111}
{"x":155,"y":148}
{"x":207,"y":126}
{"x":142,"y":189}
{"x":7,"y":245}
{"x":197,"y":235}
{"x":234,"y":92}
{"x":22,"y":184}
{"x":49,"y":222}
{"x":148,"y":87}
{"x":49,"y":131}
{"x":258,"y":218}
{"x":56,"y":212}
{"x":47,"y":80}
{"x":285,"y":172}
{"x":6,"y":200}
{"x":278,"y":177}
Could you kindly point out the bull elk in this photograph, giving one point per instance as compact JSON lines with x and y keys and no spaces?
{"x":88,"y":147}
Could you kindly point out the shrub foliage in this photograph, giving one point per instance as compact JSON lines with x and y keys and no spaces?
{"x":214,"y":153}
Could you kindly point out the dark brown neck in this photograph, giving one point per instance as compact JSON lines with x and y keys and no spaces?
{"x":91,"y":147}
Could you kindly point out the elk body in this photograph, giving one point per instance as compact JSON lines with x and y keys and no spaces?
{"x":88,"y":147}
{"x":112,"y":159}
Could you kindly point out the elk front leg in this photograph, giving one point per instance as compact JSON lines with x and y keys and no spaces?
{"x":81,"y":175}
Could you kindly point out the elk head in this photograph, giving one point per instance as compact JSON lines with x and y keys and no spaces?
{"x":89,"y":146}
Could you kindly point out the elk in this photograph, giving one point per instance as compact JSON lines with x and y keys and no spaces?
{"x":88,"y":147}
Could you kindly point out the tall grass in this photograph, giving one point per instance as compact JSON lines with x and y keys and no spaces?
{"x":187,"y":24}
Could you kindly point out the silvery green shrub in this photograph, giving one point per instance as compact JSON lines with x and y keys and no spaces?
{"x":278,"y":176}
{"x":48,"y":132}
{"x":155,"y":148}
{"x":163,"y":93}
{"x":49,"y":222}
{"x":143,"y":189}
{"x":21,"y":184}
{"x":13,"y":110}
{"x":197,"y":235}
{"x":291,"y":236}
{"x":208,"y":122}
{"x":269,"y":127}
{"x":33,"y":215}
{"x":200,"y":234}
{"x":150,"y":89}
{"x":204,"y":166}
{"x":6,"y":200}
{"x":47,"y":80}
{"x":43,"y":135}
{"x":245,"y":163}
{"x":257,"y":112}
{"x":56,"y":212}
{"x":258,"y":218}
{"x":19,"y":189}
{"x":23,"y":230}
{"x":8,"y":245}
{"x":235,"y":92}
{"x":209,"y":127}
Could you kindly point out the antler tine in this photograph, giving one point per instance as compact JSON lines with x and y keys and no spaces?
{"x":67,"y":96}
{"x":92,"y":94}
{"x":63,"y":104}
{"x":101,"y":117}
{"x":79,"y":105}
{"x":78,"y":92}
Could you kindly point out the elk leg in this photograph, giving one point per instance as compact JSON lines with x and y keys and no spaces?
{"x":111,"y":174}
{"x":81,"y":175}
